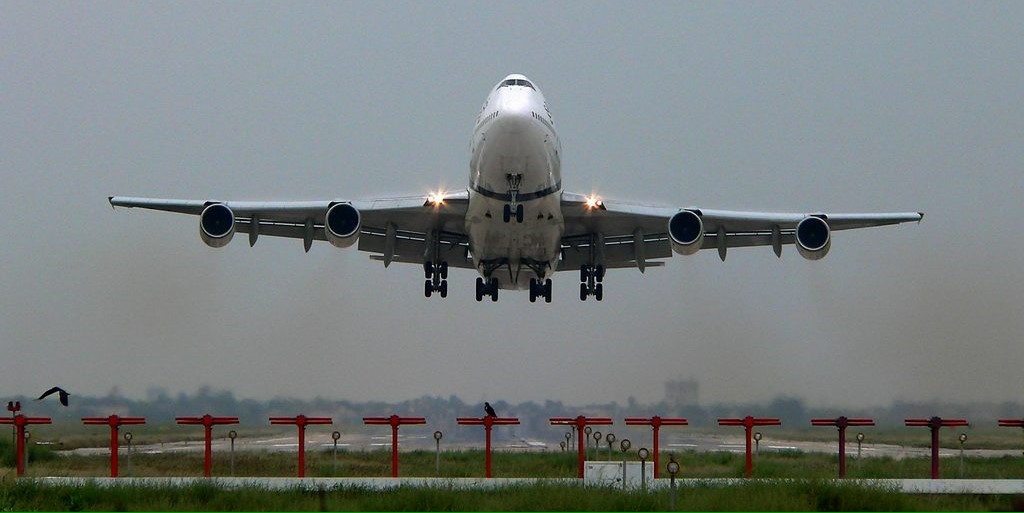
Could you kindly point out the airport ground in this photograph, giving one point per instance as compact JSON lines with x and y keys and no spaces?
{"x":812,"y":487}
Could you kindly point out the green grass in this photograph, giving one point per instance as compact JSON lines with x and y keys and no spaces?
{"x":797,"y":496}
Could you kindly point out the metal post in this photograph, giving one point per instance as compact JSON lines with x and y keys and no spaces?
{"x":232,"y":435}
{"x":673,"y":468}
{"x":757,"y":444}
{"x":334,"y":468}
{"x":624,"y":445}
{"x":437,"y":454}
{"x":128,"y":451}
{"x":27,"y":437}
{"x":643,"y":453}
{"x":963,"y":438}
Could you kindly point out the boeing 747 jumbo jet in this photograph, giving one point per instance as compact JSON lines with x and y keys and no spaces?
{"x":514,"y":224}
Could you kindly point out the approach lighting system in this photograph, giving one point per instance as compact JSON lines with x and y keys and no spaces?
{"x":656,"y":422}
{"x":842,"y":423}
{"x":301,"y":421}
{"x":581,"y":423}
{"x":487,"y":422}
{"x":748,"y":424}
{"x":934,"y":424}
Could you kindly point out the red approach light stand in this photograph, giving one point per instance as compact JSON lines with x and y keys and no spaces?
{"x":487,"y":423}
{"x":114,"y":422}
{"x":301,"y":421}
{"x":20,"y":421}
{"x":656,"y":422}
{"x":580,"y":423}
{"x":394,"y":421}
{"x":842,"y":423}
{"x":207,"y":421}
{"x":1018,"y":423}
{"x":748,"y":423}
{"x":935,"y":423}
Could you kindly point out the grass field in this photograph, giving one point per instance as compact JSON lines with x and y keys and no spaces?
{"x":815,"y":491}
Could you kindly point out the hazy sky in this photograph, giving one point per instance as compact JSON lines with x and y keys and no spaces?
{"x":810,"y":106}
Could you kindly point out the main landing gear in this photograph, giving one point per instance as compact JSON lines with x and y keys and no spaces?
{"x":539,"y":289}
{"x":591,"y":278}
{"x":488,"y":288}
{"x":436,"y":278}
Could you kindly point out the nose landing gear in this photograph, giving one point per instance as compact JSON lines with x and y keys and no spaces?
{"x":513,"y":209}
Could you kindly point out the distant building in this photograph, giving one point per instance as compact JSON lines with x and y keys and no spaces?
{"x":682,"y":392}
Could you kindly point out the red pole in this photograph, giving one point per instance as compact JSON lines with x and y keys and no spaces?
{"x":394,"y":421}
{"x":657,"y":427}
{"x":748,"y":427}
{"x":208,"y":461}
{"x":20,"y":421}
{"x":580,"y":422}
{"x":394,"y":446}
{"x":488,"y":423}
{"x":748,"y":424}
{"x":934,"y":424}
{"x":487,"y":456}
{"x":207,"y":421}
{"x":302,"y":447}
{"x":656,"y":423}
{"x":842,"y":452}
{"x":113,"y":450}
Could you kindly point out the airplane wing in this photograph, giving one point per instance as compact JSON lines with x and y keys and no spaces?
{"x":630,"y":235}
{"x":408,"y":229}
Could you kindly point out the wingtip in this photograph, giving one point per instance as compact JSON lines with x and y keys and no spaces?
{"x":920,"y":217}
{"x":110,"y":199}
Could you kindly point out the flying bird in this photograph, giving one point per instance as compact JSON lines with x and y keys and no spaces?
{"x":489,"y":410}
{"x":63,"y":394}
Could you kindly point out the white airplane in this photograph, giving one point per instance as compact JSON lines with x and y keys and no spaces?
{"x":514,"y":224}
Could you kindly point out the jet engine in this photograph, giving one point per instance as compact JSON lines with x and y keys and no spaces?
{"x":813,"y":238}
{"x":217,"y":225}
{"x":686,"y":231}
{"x":341,"y":224}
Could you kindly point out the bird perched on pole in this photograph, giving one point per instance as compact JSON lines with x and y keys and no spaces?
{"x":489,"y":410}
{"x":62,"y":394}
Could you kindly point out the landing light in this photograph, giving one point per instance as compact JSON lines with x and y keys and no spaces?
{"x":435,"y":199}
{"x":594,"y":202}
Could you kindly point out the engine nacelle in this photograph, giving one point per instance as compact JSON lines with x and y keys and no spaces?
{"x":686,"y":231}
{"x":216,"y":225}
{"x":813,"y":238}
{"x":341,"y":224}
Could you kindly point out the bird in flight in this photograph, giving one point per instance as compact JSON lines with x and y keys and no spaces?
{"x":489,"y":410}
{"x":63,"y":394}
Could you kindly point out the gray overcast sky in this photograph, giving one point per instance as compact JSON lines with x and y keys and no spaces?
{"x":813,"y":106}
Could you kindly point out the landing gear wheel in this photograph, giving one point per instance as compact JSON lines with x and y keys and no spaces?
{"x":584,"y":272}
{"x":506,"y":213}
{"x":583,"y":292}
{"x":600,"y":273}
{"x":444,"y":288}
{"x":519,"y":213}
{"x":479,"y":289}
{"x":444,"y":270}
{"x":533,"y":290}
{"x":494,"y":290}
{"x":599,"y":292}
{"x":428,"y":270}
{"x":547,"y":290}
{"x":428,"y":288}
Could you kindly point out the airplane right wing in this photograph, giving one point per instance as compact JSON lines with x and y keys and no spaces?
{"x":617,"y":234}
{"x":413,"y":229}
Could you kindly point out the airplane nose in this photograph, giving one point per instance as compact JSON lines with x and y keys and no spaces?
{"x":514,"y":118}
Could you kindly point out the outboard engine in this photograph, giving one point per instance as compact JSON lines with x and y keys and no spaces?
{"x":216,"y":225}
{"x":813,"y":238}
{"x":341,"y":224}
{"x":686,"y":231}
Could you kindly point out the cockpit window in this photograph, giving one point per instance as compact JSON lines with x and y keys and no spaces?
{"x":517,"y":82}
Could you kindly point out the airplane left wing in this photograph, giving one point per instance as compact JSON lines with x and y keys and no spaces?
{"x":411,"y":229}
{"x":617,"y":234}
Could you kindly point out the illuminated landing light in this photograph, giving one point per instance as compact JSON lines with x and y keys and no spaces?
{"x":594,"y":202}
{"x":435,"y":199}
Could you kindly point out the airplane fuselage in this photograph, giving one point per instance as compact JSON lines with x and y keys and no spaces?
{"x":514,"y":221}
